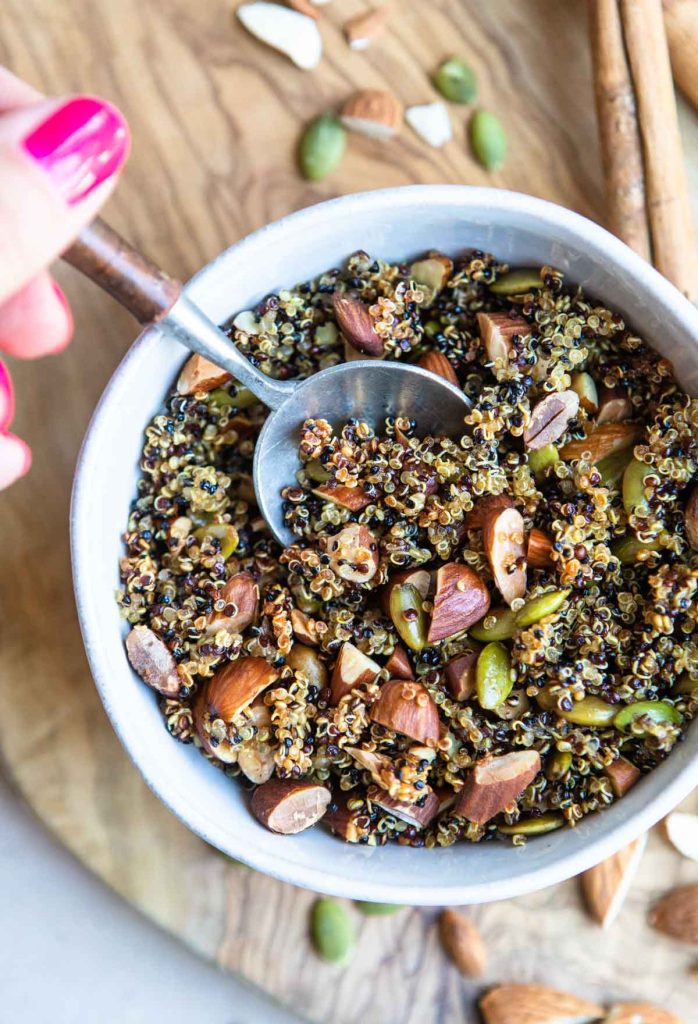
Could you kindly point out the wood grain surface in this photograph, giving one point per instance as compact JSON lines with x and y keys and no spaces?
{"x":215,"y":119}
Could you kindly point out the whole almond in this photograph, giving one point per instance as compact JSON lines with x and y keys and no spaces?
{"x":436,"y":362}
{"x":550,"y":419}
{"x":356,"y":324}
{"x":539,"y":549}
{"x":640,"y":1013}
{"x":606,"y":885}
{"x":536,"y":1004}
{"x":602,"y":441}
{"x":677,"y":914}
{"x":463,"y":943}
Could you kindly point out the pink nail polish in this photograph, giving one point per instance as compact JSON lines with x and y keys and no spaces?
{"x":80,"y":145}
{"x":7,"y":398}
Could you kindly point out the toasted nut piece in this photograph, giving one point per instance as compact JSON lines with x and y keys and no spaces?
{"x":493,"y":676}
{"x":407,"y":707}
{"x":356,"y":324}
{"x":539,"y":550}
{"x":606,"y":885}
{"x":550,"y":419}
{"x":497,"y":331}
{"x":340,"y":820}
{"x":536,"y":1004}
{"x":304,"y":628}
{"x":691,"y":519}
{"x":377,"y":765}
{"x":495,"y":783}
{"x":682,"y":833}
{"x":630,"y":716}
{"x":373,"y":112}
{"x":460,"y":675}
{"x":306,"y":660}
{"x":611,"y":437}
{"x":461,"y":599}
{"x":640,"y":1013}
{"x":419,"y":815}
{"x":433,"y":271}
{"x":584,"y":385}
{"x":436,"y":362}
{"x":255,"y":757}
{"x":420,"y":579}
{"x":432,"y":122}
{"x":200,"y":374}
{"x":241,"y":596}
{"x":463,"y":943}
{"x":614,"y":406}
{"x":287,"y":807}
{"x":677,"y":914}
{"x":234,"y":687}
{"x":485,"y":508}
{"x":622,"y":775}
{"x":284,"y":29}
{"x":352,"y":669}
{"x":408,"y":615}
{"x":353,"y":498}
{"x":354,"y":553}
{"x":362,"y":30}
{"x":398,"y":664}
{"x":503,"y":539}
{"x":152,"y":659}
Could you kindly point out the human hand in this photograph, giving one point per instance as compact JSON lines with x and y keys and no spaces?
{"x":59,"y":160}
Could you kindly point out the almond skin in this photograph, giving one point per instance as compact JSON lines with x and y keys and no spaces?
{"x":288,"y":807}
{"x":241,"y":596}
{"x":460,"y":675}
{"x":374,"y":112}
{"x":353,"y":498}
{"x":614,"y":406}
{"x":463,"y":943}
{"x":539,"y":549}
{"x":496,"y":782}
{"x":340,"y":820}
{"x":436,"y":362}
{"x":536,"y":1004}
{"x":361,"y":30}
{"x":356,"y":324}
{"x":152,"y":659}
{"x":484,"y":509}
{"x":461,"y":599}
{"x":640,"y":1013}
{"x":352,"y":669}
{"x":610,"y":437}
{"x":304,"y":628}
{"x":303,"y":7}
{"x":691,"y":519}
{"x":407,"y":707}
{"x":200,"y":374}
{"x":550,"y":419}
{"x":497,"y":331}
{"x":677,"y":914}
{"x":622,"y":775}
{"x":234,"y":687}
{"x":398,"y":664}
{"x":503,"y":538}
{"x":606,"y":885}
{"x":354,"y":554}
{"x":419,"y":816}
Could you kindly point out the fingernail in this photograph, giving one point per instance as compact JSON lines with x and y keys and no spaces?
{"x":7,"y":398}
{"x":80,"y":145}
{"x":69,"y":324}
{"x":15,"y":459}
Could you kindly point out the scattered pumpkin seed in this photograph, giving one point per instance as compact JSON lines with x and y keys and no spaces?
{"x":456,"y":81}
{"x":588,"y":711}
{"x":539,"y":607}
{"x":541,"y":458}
{"x":656,"y":710}
{"x":377,"y":909}
{"x":493,"y":676}
{"x":325,"y":335}
{"x":332,"y":931}
{"x":517,"y":282}
{"x":407,"y":613}
{"x":557,"y":765}
{"x":432,"y":327}
{"x":634,"y":500}
{"x":612,"y":467}
{"x":238,"y":397}
{"x":628,"y":549}
{"x":503,"y":626}
{"x":224,"y":532}
{"x":685,"y":684}
{"x":488,"y":139}
{"x":322,"y":146}
{"x":533,"y":826}
{"x":317,"y":472}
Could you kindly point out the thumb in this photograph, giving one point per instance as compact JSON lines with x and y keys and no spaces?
{"x":58,"y":164}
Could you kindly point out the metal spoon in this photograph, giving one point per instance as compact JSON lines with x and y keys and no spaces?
{"x":365,"y":389}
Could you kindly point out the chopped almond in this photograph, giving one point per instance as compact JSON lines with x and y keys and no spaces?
{"x":622,"y":775}
{"x":353,"y":498}
{"x":606,"y":885}
{"x":354,"y":554}
{"x":408,"y":708}
{"x":241,"y":596}
{"x":550,"y":419}
{"x":610,"y":437}
{"x":497,"y":331}
{"x":484,"y":508}
{"x":419,"y":815}
{"x":461,"y":599}
{"x":305,"y":629}
{"x":152,"y":659}
{"x":200,"y":374}
{"x":362,"y":30}
{"x":460,"y":675}
{"x":420,"y":579}
{"x":373,"y":112}
{"x":614,"y":406}
{"x":495,"y":783}
{"x":539,"y":550}
{"x":287,"y":807}
{"x":398,"y":664}
{"x":503,"y":539}
{"x":352,"y":669}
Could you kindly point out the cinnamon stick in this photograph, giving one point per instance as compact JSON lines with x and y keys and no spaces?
{"x":621,"y":148}
{"x":681,"y":21}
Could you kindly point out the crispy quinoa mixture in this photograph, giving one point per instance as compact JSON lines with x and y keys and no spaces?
{"x":471,"y":638}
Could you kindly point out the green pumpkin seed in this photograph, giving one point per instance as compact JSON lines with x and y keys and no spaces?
{"x":493,"y":676}
{"x":533,"y":826}
{"x":305,"y":600}
{"x":656,"y":710}
{"x":503,"y":626}
{"x":634,"y":500}
{"x":584,"y":385}
{"x":456,"y":81}
{"x":377,"y":909}
{"x":325,"y":335}
{"x":224,"y":532}
{"x":612,"y":467}
{"x":541,"y":458}
{"x":488,"y":139}
{"x":332,"y":931}
{"x":588,"y":711}
{"x":628,"y":549}
{"x":432,"y":328}
{"x":408,"y":615}
{"x":684,"y":684}
{"x":322,"y":146}
{"x":517,"y":282}
{"x":557,"y":765}
{"x":238,"y":397}
{"x":539,"y":607}
{"x":317,"y":472}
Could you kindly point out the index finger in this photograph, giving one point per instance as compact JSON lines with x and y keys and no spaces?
{"x":14,"y":92}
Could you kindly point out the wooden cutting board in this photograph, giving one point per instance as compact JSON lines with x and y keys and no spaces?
{"x":215,"y":119}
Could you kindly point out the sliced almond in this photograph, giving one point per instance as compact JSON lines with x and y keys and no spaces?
{"x":284,"y":29}
{"x":497,"y":331}
{"x":682,"y":833}
{"x":432,"y":122}
{"x":420,"y":816}
{"x":152,"y":659}
{"x":353,"y":498}
{"x":503,"y":538}
{"x":363,"y":29}
{"x":352,"y":669}
{"x":408,"y":708}
{"x":241,"y":596}
{"x":610,"y":437}
{"x":640,"y":1013}
{"x":373,"y":112}
{"x":398,"y":664}
{"x":460,"y":675}
{"x":485,"y":508}
{"x":622,"y":775}
{"x":606,"y":885}
{"x":461,"y":599}
{"x":691,"y":519}
{"x":495,"y":783}
{"x":354,"y":554}
{"x":550,"y":419}
{"x":288,"y":807}
{"x":433,"y":271}
{"x":356,"y":324}
{"x":677,"y":914}
{"x":463,"y":943}
{"x":539,"y":550}
{"x":200,"y":374}
{"x":536,"y":1004}
{"x":614,"y":406}
{"x":436,"y":362}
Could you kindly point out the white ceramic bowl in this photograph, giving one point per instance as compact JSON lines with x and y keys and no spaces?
{"x":395,"y":224}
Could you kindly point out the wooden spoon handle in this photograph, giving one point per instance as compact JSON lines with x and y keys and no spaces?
{"x":134,"y":281}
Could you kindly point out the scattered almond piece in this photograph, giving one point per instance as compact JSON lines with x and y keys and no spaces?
{"x":640,"y":1013}
{"x":606,"y":885}
{"x":503,"y":539}
{"x":284,"y":29}
{"x":461,"y":598}
{"x":288,"y":807}
{"x":497,"y":331}
{"x":460,"y":675}
{"x":363,"y":29}
{"x":152,"y":659}
{"x":614,"y":406}
{"x":356,"y":324}
{"x":241,"y":596}
{"x":436,"y":362}
{"x":433,"y":271}
{"x":353,"y":498}
{"x":691,"y":519}
{"x":375,"y":764}
{"x":228,"y":692}
{"x":305,"y":628}
{"x":256,"y":757}
{"x":408,"y":708}
{"x":602,"y":441}
{"x":352,"y":669}
{"x":622,"y":775}
{"x":340,"y":820}
{"x":200,"y":374}
{"x":485,"y":508}
{"x":677,"y":914}
{"x":398,"y":664}
{"x":682,"y":833}
{"x":539,"y":549}
{"x":536,"y":1004}
{"x":432,"y":122}
{"x":495,"y":783}
{"x":373,"y":112}
{"x":463,"y":943}
{"x":550,"y":419}
{"x":413,"y":814}
{"x":354,"y":553}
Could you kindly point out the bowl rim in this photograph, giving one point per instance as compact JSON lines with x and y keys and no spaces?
{"x":611,"y":838}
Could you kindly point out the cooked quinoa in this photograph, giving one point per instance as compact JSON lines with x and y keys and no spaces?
{"x":473,"y":637}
